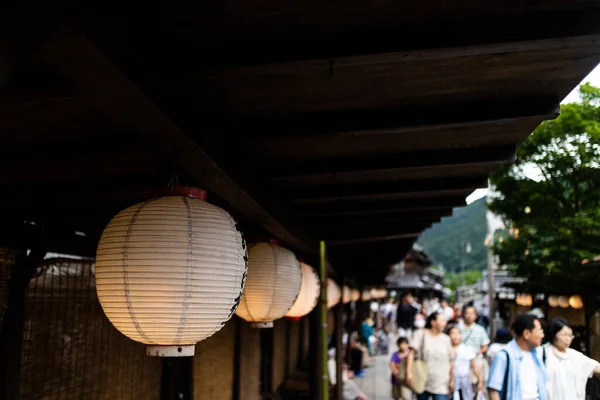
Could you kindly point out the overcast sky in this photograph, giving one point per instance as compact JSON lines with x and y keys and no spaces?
{"x":593,"y":78}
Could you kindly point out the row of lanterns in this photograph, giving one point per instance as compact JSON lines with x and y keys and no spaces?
{"x":574,"y":301}
{"x":171,"y":271}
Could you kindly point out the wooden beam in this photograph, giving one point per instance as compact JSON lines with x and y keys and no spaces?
{"x":370,"y":239}
{"x":109,"y":88}
{"x":495,"y":34}
{"x":401,"y":217}
{"x":442,"y":203}
{"x":492,"y":155}
{"x":24,"y":27}
{"x":419,"y":213}
{"x":406,"y":120}
{"x":418,"y":188}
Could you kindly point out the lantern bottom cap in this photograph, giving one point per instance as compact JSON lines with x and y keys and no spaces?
{"x":171,"y":351}
{"x":262,"y":325}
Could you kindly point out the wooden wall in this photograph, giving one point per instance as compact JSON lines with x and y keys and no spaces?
{"x":250,"y":362}
{"x":214,"y":365}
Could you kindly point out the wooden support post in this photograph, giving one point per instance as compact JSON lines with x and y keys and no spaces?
{"x":237,"y":359}
{"x":11,"y":332}
{"x":339,"y":350}
{"x":266,"y":362}
{"x":315,"y":369}
{"x":177,"y":378}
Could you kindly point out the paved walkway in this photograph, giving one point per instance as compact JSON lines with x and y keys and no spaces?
{"x":376,"y":382}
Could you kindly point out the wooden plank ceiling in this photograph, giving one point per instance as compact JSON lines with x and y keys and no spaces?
{"x":361,"y":123}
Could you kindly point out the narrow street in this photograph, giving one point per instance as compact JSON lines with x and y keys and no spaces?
{"x":376,"y":382}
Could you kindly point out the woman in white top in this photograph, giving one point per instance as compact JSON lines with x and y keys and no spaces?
{"x":568,"y":369}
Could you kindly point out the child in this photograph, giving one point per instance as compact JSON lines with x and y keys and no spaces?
{"x":464,"y":362}
{"x":399,"y":391}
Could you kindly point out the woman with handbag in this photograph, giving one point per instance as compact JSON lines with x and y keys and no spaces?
{"x":429,"y":364}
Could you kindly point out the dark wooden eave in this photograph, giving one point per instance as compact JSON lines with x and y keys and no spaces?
{"x":358,"y":123}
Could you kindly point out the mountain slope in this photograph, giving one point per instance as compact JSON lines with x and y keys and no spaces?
{"x":445,"y":242}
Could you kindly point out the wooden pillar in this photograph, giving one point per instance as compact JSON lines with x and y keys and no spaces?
{"x":339,"y":350}
{"x":177,"y":378}
{"x":11,"y":332}
{"x":266,"y":361}
{"x":237,"y":359}
{"x":315,"y":365}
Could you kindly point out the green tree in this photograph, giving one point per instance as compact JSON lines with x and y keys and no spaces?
{"x":555,"y":216}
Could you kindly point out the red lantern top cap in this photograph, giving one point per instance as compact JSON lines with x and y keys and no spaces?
{"x":274,"y":241}
{"x":183,"y":191}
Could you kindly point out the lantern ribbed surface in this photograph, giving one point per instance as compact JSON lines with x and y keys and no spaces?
{"x":334,"y":294}
{"x":355,"y":295}
{"x":170,"y":271}
{"x":272,"y":284}
{"x":309,"y":293}
{"x":346,"y":295}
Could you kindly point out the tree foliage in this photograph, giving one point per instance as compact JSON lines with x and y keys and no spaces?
{"x":550,"y":197}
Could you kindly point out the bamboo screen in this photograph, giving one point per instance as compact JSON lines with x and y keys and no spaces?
{"x":70,"y":349}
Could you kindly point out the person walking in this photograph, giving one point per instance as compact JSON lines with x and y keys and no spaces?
{"x":568,"y":369}
{"x":473,"y":335}
{"x":399,"y":390}
{"x":406,"y":315}
{"x":464,"y":364}
{"x":518,"y":372}
{"x":501,"y":339}
{"x":433,"y":346}
{"x":476,"y":338}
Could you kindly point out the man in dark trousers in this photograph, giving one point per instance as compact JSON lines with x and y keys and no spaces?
{"x":406,"y":315}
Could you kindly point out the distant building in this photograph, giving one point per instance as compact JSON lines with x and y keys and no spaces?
{"x":414,"y":273}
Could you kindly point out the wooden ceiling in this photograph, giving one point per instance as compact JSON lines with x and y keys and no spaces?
{"x":360,"y":123}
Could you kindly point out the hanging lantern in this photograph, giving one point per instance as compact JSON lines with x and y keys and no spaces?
{"x":309,"y":293}
{"x":355,"y":295}
{"x":334,"y":294}
{"x":365,"y":296}
{"x":373,"y":293}
{"x":563,"y":301}
{"x":519,"y":300}
{"x":170,"y":271}
{"x":576,"y":302}
{"x":346,"y":294}
{"x":272,"y":284}
{"x":527,"y":300}
{"x":553,"y":301}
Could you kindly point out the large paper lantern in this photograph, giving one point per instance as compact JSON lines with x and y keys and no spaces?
{"x":272,"y":285}
{"x":346,"y":295}
{"x":309,"y":293}
{"x":355,"y":295}
{"x":576,"y":302}
{"x":170,"y":271}
{"x":563,"y":301}
{"x":553,"y":301}
{"x":334,"y":294}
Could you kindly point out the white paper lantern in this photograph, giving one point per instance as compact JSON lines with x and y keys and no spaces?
{"x":170,"y":271}
{"x":308,"y":297}
{"x":334,"y":294}
{"x":365,"y":296}
{"x":272,"y":285}
{"x":553,"y":301}
{"x":355,"y":295}
{"x":576,"y":302}
{"x":563,"y":301}
{"x":346,"y":295}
